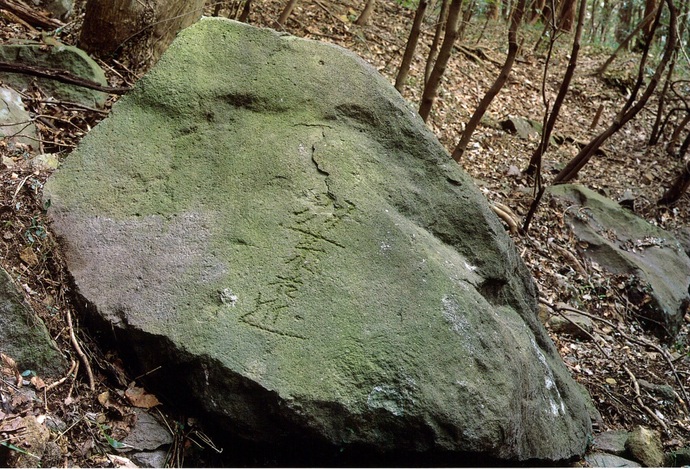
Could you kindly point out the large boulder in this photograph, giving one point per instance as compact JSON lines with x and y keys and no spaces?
{"x":625,"y":244}
{"x":268,"y":225}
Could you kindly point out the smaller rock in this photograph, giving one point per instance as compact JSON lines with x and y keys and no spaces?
{"x":33,"y":441}
{"x":15,"y":121}
{"x":561,"y":325}
{"x":45,"y":162}
{"x":23,"y":336}
{"x":663,"y":391}
{"x":147,"y":433}
{"x":608,"y":460}
{"x":514,"y":171}
{"x":678,"y":458}
{"x":150,"y":458}
{"x":61,"y":9}
{"x":612,"y":442}
{"x":523,"y":128}
{"x":644,"y":445}
{"x":61,"y":57}
{"x":52,"y":456}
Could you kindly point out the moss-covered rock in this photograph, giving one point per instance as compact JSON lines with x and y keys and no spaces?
{"x":625,"y":244}
{"x":57,"y":57}
{"x":23,"y":336}
{"x":266,"y":220}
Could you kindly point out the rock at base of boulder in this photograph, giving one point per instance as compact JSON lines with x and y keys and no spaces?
{"x":608,"y":460}
{"x":23,"y":336}
{"x":645,"y":446}
{"x":612,"y":442}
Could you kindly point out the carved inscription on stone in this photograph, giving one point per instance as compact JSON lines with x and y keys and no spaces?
{"x":276,"y":308}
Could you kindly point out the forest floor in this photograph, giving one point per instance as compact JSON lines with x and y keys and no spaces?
{"x":610,"y":364}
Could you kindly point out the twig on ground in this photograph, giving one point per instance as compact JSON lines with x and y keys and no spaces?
{"x":638,"y":399}
{"x":645,"y":343}
{"x":80,"y":352}
{"x":72,"y":369}
{"x":589,"y":334}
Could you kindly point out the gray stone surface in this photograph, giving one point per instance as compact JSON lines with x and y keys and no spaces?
{"x":15,"y":121}
{"x":611,"y":442}
{"x":23,"y":336}
{"x":266,"y":220}
{"x":147,"y":433}
{"x":623,"y":243}
{"x":149,"y":458}
{"x":60,"y":57}
{"x":608,"y":460}
{"x":574,"y":324}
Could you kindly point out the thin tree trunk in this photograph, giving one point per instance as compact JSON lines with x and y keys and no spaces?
{"x":431,"y":59}
{"x":366,"y":14}
{"x":535,"y":162}
{"x":650,"y":7}
{"x":286,"y":13}
{"x":245,"y":11}
{"x":411,"y":46}
{"x":493,"y":10}
{"x":629,"y":110}
{"x":625,"y":41}
{"x":498,"y":84}
{"x":624,"y":20}
{"x":679,"y":128}
{"x":567,"y":15}
{"x":656,"y":130}
{"x":682,"y":182}
{"x":429,"y":94}
{"x":466,"y":17}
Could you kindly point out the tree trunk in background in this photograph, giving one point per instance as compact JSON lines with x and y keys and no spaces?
{"x":632,"y":106}
{"x":566,"y":15}
{"x":286,"y":12}
{"x":245,"y":11}
{"x":429,"y":94}
{"x":434,"y":44}
{"x":513,"y":47}
{"x":536,"y":160}
{"x":142,"y":29}
{"x":493,"y":10}
{"x":649,"y":10}
{"x":466,"y":17}
{"x":624,"y":20}
{"x":624,"y":43}
{"x":536,"y":11}
{"x":411,"y":46}
{"x":366,"y":14}
{"x":680,"y":185}
{"x":506,"y":8}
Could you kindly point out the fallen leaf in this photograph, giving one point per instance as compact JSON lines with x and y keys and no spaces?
{"x":610,"y":381}
{"x":37,"y":383}
{"x":103,"y":398}
{"x":29,"y":256}
{"x":138,"y":397}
